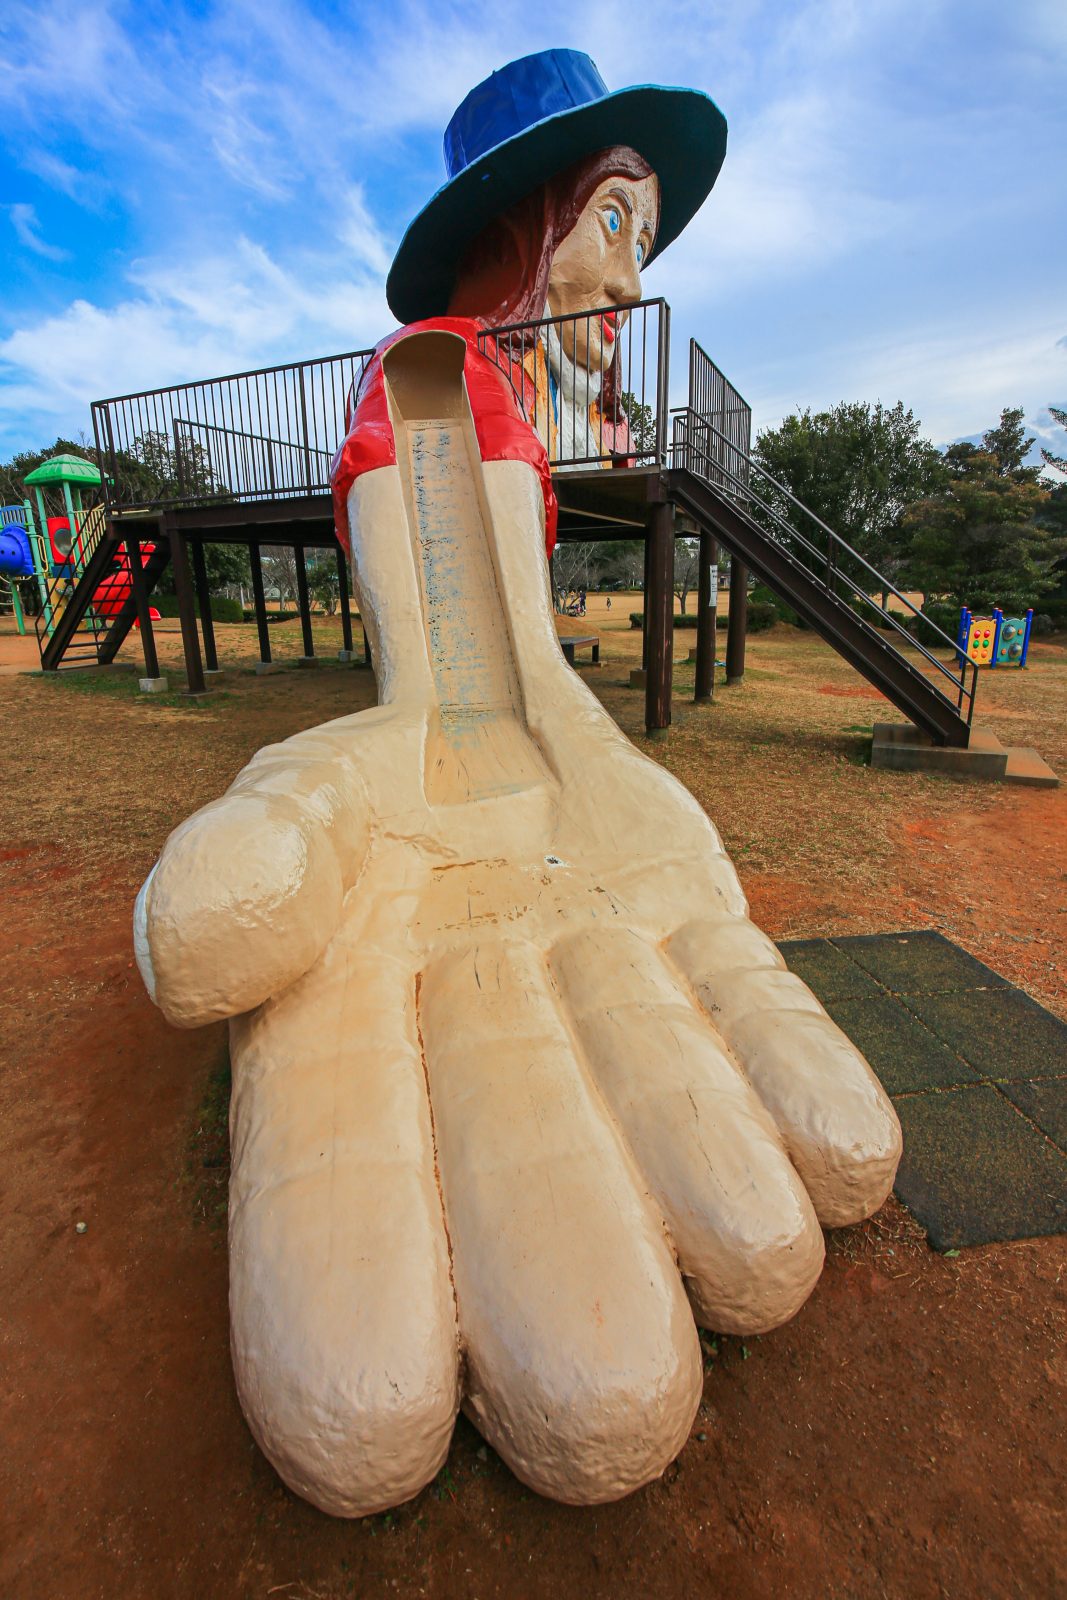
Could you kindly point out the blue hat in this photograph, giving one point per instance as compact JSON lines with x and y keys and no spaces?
{"x":524,"y":124}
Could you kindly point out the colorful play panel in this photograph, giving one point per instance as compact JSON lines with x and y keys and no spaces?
{"x":996,"y":641}
{"x":977,"y":1072}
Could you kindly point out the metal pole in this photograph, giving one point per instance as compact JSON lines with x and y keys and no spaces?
{"x":207,"y":624}
{"x":140,"y":600}
{"x":303,"y":601}
{"x":738,"y":622}
{"x":346,"y":615}
{"x":707,"y":618}
{"x":183,"y":588}
{"x":260,"y":603}
{"x":659,"y":617}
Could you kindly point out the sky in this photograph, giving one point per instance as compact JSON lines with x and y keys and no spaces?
{"x":197,"y":188}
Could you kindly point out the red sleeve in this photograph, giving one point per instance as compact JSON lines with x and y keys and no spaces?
{"x":503,"y":432}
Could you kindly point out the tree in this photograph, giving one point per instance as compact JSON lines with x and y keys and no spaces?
{"x":686,"y":564}
{"x":1059,"y":462}
{"x":621,"y":561}
{"x":641,"y":422}
{"x":981,"y":541}
{"x":279,"y":570}
{"x":857,"y":467}
{"x":13,"y":489}
{"x":573,"y":566}
{"x":324,"y":583}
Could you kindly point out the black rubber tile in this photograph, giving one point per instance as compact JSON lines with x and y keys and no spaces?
{"x":1046,"y":1104}
{"x":974,"y":1171}
{"x":921,"y":962}
{"x":903,"y":1053}
{"x":1000,"y":1033}
{"x":827,"y":971}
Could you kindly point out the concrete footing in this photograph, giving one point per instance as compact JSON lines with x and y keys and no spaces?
{"x":213,"y":674}
{"x":901,"y":747}
{"x":307,"y":661}
{"x":263,"y":667}
{"x":346,"y":655}
{"x":152,"y":685}
{"x":638,"y":677}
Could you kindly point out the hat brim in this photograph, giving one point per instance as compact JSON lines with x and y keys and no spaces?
{"x":681,"y":133}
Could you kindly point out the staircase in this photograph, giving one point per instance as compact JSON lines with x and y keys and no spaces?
{"x":830,"y":585}
{"x":89,"y":607}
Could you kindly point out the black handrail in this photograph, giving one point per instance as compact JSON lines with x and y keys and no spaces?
{"x":688,"y":448}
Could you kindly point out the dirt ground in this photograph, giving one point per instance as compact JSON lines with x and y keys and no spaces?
{"x":904,"y":1436}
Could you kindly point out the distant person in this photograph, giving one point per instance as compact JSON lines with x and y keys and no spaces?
{"x":581,"y":602}
{"x":609,"y":602}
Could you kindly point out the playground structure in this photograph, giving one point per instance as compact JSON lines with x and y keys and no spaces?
{"x":520,"y":1093}
{"x":54,"y":549}
{"x":996,"y":641}
{"x":251,"y":460}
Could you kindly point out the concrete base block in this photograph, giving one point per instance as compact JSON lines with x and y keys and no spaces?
{"x":307,"y":661}
{"x":212,"y":674}
{"x":901,"y":747}
{"x":152,"y":685}
{"x":346,"y":655}
{"x":638,"y":677}
{"x":267,"y":666}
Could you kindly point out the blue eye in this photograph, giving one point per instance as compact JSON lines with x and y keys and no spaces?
{"x":640,"y":255}
{"x":614,"y":220}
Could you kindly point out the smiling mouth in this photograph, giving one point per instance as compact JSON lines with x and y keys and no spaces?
{"x":608,"y":320}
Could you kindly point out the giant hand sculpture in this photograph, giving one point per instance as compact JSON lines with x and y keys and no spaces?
{"x":519,"y":1090}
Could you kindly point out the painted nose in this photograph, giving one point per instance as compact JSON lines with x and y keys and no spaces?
{"x":623,"y":280}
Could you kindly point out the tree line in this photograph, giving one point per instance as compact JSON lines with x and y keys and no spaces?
{"x":149,"y":474}
{"x":970,"y":525}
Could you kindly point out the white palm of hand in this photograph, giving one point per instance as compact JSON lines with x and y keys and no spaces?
{"x":518,"y":1087}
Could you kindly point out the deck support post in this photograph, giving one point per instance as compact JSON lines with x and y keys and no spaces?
{"x":659,"y":617}
{"x":140,"y":600}
{"x":646,"y":551}
{"x":346,"y":615}
{"x":260,"y":603}
{"x":738,"y":622}
{"x":303,"y":601}
{"x":183,"y":588}
{"x":207,"y":625}
{"x":707,"y":618}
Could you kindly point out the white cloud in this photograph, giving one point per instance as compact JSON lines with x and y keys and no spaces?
{"x":27,"y":227}
{"x":956,"y":380}
{"x":186,"y":321}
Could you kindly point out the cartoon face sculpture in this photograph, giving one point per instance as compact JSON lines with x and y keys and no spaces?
{"x":599,"y":264}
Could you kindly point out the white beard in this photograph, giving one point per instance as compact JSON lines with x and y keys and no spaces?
{"x":577,"y":389}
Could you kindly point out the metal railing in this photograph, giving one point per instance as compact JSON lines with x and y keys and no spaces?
{"x":594,"y":386}
{"x":828,"y":557}
{"x":260,"y":435}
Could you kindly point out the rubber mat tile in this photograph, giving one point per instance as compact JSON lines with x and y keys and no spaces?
{"x":922,"y":962}
{"x":827,"y":971}
{"x":975,"y":1172}
{"x":903,"y":1053}
{"x":1001,"y":1033}
{"x":1043,"y":1103}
